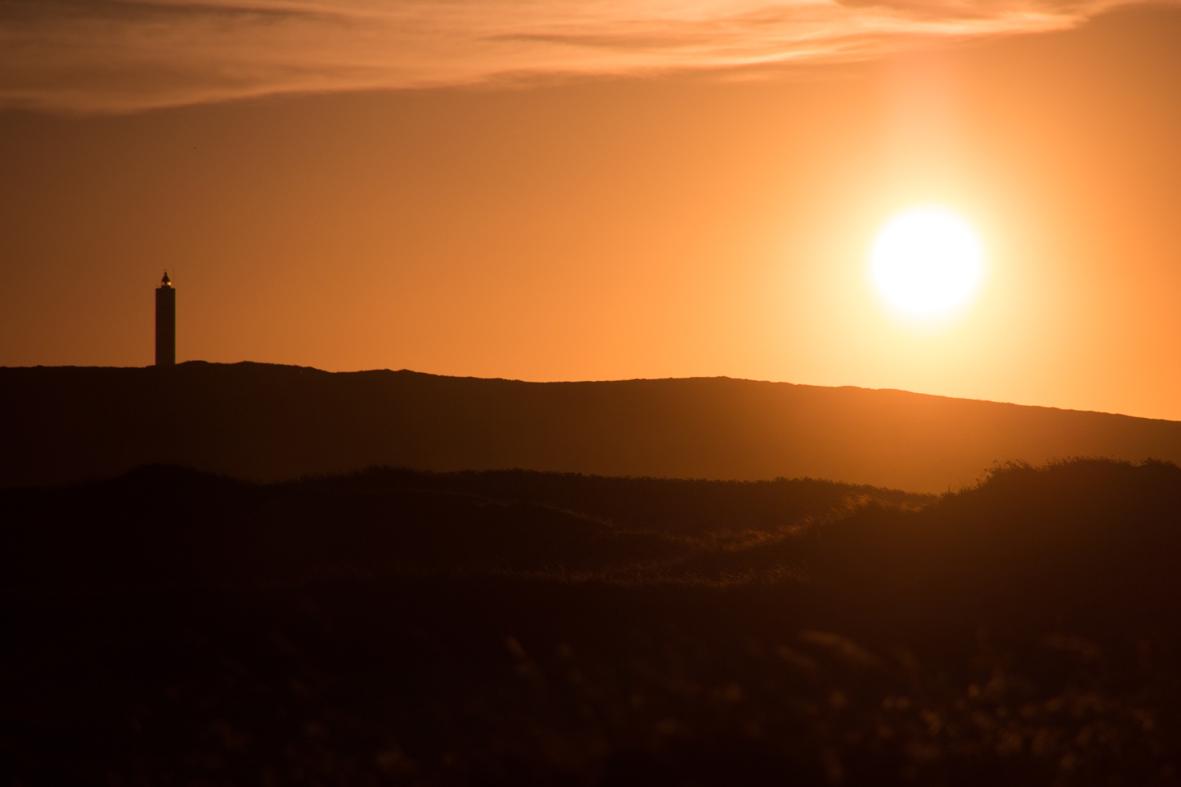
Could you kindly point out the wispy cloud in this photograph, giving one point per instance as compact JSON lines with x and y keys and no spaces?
{"x":129,"y":55}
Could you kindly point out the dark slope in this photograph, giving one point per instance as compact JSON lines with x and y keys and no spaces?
{"x":390,"y":627}
{"x":270,"y":422}
{"x":181,"y":528}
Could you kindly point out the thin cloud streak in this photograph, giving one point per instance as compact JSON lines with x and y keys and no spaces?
{"x":132,"y":55}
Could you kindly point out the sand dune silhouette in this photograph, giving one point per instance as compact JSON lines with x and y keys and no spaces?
{"x":267,"y":422}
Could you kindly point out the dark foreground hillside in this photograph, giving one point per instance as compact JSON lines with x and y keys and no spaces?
{"x":267,"y":422}
{"x":393,"y":627}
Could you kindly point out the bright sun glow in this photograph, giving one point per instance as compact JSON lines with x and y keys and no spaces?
{"x":927,"y":261}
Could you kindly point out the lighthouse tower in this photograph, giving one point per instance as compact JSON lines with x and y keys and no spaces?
{"x":165,"y":323}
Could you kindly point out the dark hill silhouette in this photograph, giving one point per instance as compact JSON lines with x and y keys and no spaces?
{"x":398,"y":627}
{"x":269,"y":422}
{"x":175,"y":526}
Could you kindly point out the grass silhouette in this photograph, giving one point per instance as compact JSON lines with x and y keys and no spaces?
{"x":398,"y":627}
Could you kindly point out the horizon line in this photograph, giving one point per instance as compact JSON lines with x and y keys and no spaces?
{"x":524,"y":381}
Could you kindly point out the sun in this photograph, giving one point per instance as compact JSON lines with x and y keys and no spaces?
{"x":927,"y":262}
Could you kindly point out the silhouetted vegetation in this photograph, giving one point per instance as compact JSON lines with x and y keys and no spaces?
{"x":398,"y":627}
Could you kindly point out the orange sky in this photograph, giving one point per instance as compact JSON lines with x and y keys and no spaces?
{"x":697,"y":199}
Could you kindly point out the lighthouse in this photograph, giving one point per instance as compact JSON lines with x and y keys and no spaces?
{"x":165,"y":323}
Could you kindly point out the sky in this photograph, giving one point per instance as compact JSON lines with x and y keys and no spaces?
{"x":597,"y":190}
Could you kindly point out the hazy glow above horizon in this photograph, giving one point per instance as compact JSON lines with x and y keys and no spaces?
{"x":927,"y":262}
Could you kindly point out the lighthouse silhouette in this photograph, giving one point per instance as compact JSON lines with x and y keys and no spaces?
{"x":165,"y":323}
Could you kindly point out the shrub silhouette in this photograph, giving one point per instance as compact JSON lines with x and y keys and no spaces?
{"x":1091,"y":537}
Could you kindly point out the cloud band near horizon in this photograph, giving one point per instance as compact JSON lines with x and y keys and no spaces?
{"x":133,"y":55}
